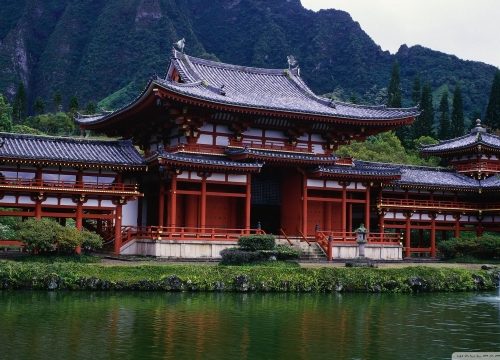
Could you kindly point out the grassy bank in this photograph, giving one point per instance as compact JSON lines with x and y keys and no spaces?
{"x":277,"y":278}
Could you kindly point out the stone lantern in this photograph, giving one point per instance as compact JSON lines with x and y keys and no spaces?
{"x":361,"y":239}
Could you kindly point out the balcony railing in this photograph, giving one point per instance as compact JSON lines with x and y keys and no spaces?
{"x":77,"y":186}
{"x":430,"y":204}
{"x":481,"y":166}
{"x":185,"y":233}
{"x":302,"y":148}
{"x":197,"y":148}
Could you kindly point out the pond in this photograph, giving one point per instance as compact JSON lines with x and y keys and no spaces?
{"x":86,"y":325}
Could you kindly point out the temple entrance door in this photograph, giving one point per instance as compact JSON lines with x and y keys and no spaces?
{"x":266,"y":201}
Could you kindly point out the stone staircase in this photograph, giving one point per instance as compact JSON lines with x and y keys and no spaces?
{"x":308,"y":252}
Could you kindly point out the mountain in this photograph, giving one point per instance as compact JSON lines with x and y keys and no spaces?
{"x":94,"y":48}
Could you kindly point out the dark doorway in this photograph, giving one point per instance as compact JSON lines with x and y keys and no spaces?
{"x":268,"y":216}
{"x":266,"y":201}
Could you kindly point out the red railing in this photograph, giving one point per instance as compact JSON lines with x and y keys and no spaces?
{"x":340,"y":237}
{"x":185,"y":233}
{"x":74,"y":185}
{"x":434,"y":204}
{"x":270,"y":146}
{"x":483,"y":166}
{"x":197,"y":148}
{"x":282,"y":232}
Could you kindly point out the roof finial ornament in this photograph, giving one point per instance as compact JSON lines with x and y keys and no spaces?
{"x":180,"y":44}
{"x":479,"y":128}
{"x":292,"y":62}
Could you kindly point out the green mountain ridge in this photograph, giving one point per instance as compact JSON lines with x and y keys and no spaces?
{"x":94,"y":48}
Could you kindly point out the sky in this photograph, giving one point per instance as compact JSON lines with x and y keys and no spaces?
{"x":469,"y":29}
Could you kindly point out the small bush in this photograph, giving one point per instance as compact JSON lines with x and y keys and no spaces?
{"x":285,"y":252}
{"x":235,"y":256}
{"x":91,"y":241}
{"x":68,"y":239}
{"x":257,"y":242}
{"x":38,"y":235}
{"x":485,"y":247}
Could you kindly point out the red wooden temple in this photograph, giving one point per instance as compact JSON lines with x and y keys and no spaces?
{"x":227,"y":150}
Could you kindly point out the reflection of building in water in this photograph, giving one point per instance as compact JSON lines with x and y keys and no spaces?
{"x":230,"y":150}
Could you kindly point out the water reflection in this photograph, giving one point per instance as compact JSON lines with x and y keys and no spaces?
{"x":63,"y":325}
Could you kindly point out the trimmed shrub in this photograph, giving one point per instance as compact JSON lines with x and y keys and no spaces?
{"x":235,"y":256}
{"x":91,"y":241}
{"x":285,"y":252}
{"x":38,"y":235}
{"x":485,"y":247}
{"x":67,"y":239}
{"x":257,"y":242}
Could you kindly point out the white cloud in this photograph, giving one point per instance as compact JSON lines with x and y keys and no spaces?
{"x":469,"y":29}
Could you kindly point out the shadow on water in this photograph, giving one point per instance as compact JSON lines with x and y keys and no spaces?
{"x":83,"y":325}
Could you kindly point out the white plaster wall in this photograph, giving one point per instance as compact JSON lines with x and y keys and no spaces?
{"x":130,"y":212}
{"x":176,"y":249}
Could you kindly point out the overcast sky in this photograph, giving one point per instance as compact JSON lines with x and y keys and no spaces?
{"x":469,"y":29}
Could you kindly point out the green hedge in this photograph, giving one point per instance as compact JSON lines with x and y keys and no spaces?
{"x":279,"y":278}
{"x":257,"y":242}
{"x":484,"y":247}
{"x":236,"y":256}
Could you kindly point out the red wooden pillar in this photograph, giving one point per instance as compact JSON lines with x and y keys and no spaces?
{"x":173,"y":201}
{"x":381,"y":224}
{"x":457,"y":226}
{"x":367,"y":208}
{"x":248,"y":201}
{"x":407,"y":236}
{"x":79,"y":221}
{"x":344,"y":211}
{"x":433,"y":235}
{"x":161,"y":203}
{"x":203,"y":202}
{"x":118,"y":228}
{"x":304,"y":205}
{"x":38,"y":208}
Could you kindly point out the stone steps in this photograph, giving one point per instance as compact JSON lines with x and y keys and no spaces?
{"x":311,"y":252}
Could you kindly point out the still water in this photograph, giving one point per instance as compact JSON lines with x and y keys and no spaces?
{"x":83,"y":325}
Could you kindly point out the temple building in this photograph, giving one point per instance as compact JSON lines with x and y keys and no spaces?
{"x":213,"y":151}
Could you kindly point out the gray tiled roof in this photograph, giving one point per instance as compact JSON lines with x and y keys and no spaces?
{"x":201,"y":159}
{"x":362,"y":168}
{"x":435,"y":177}
{"x":297,"y":156}
{"x":74,"y":150}
{"x":491,"y":182}
{"x":478,"y":136}
{"x":256,"y":88}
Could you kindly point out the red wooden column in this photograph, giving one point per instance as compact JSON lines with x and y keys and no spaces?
{"x":161,"y":203}
{"x":118,"y":228}
{"x":433,"y":235}
{"x":457,"y":225}
{"x":203,"y":202}
{"x":39,"y":198}
{"x":367,"y":208}
{"x":344,"y":210}
{"x":79,"y":220}
{"x":304,"y":205}
{"x":248,"y":201}
{"x":173,"y":201}
{"x":407,"y":235}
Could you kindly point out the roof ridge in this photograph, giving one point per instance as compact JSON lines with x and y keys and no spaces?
{"x":62,"y":138}
{"x":219,"y":64}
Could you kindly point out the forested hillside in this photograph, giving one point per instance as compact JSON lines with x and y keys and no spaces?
{"x":93,"y":48}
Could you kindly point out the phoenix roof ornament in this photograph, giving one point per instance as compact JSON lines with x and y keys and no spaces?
{"x":180,"y":44}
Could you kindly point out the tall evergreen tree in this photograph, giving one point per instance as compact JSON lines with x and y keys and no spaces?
{"x":493,"y":110}
{"x":73,"y":105}
{"x":457,"y":126}
{"x":19,"y":105}
{"x":416,"y":93}
{"x":39,"y":106}
{"x":394,"y":89}
{"x":91,"y":108}
{"x":424,"y":123}
{"x":57,"y":101}
{"x":444,"y":117}
{"x":5,"y":115}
